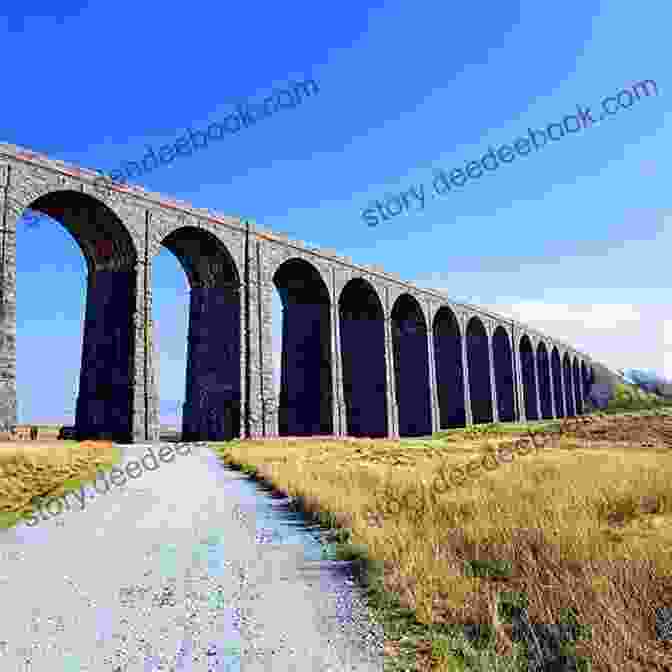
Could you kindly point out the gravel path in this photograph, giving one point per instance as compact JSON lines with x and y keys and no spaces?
{"x":170,"y":572}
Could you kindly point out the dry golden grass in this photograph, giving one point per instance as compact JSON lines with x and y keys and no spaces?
{"x":37,"y":468}
{"x":45,"y":433}
{"x":587,"y":528}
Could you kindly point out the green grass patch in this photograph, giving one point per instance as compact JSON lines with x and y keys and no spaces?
{"x":10,"y":518}
{"x":491,"y":429}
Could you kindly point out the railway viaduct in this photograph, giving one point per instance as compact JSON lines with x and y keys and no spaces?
{"x":364,"y":353}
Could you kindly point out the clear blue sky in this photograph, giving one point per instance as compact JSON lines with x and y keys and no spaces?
{"x":574,"y":238}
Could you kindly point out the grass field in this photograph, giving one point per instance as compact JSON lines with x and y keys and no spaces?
{"x":582,"y":530}
{"x":39,"y":468}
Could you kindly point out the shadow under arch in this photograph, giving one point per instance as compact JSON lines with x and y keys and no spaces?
{"x":362,"y":331}
{"x":577,"y":386}
{"x":544,"y":371}
{"x":557,"y":384}
{"x":586,"y":375}
{"x":411,"y":367}
{"x":529,"y":380}
{"x":504,"y":382}
{"x":212,"y":398}
{"x":478,"y":361}
{"x":567,"y":373}
{"x":306,"y":394}
{"x":105,"y":399}
{"x":449,"y":370}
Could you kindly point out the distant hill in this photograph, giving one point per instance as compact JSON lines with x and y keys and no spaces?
{"x":627,"y":388}
{"x":648,"y":380}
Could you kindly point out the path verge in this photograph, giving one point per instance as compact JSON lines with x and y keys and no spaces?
{"x":38,"y":472}
{"x":551,"y":555}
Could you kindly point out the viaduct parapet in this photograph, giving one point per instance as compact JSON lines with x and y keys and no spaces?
{"x":364,"y":352}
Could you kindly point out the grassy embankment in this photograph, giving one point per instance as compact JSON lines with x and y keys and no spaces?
{"x":47,"y":469}
{"x":631,"y":398}
{"x":581,"y":531}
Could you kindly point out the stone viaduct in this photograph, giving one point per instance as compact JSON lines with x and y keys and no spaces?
{"x":364,"y":353}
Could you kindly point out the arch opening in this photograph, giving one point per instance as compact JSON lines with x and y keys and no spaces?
{"x":586,"y":378}
{"x":504,"y":381}
{"x":449,"y":370}
{"x":104,"y":405}
{"x":577,"y":387}
{"x":529,"y":380}
{"x":306,"y":395}
{"x":567,"y":373}
{"x":212,"y":396}
{"x":544,"y":382}
{"x":362,"y":332}
{"x":478,"y":361}
{"x":411,"y":367}
{"x":557,"y":384}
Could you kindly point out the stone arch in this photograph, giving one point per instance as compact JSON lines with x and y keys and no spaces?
{"x":576,"y":375}
{"x":529,"y":380}
{"x":212,"y":399}
{"x":557,"y":384}
{"x":544,"y":370}
{"x":105,"y":400}
{"x":567,"y":373}
{"x":585,"y":379}
{"x":449,"y":370}
{"x":411,"y":367}
{"x":504,"y":382}
{"x":362,"y":331}
{"x":306,"y":393}
{"x":478,"y":361}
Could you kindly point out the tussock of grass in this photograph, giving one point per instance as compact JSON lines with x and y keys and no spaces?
{"x":36,"y":469}
{"x":583,"y":530}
